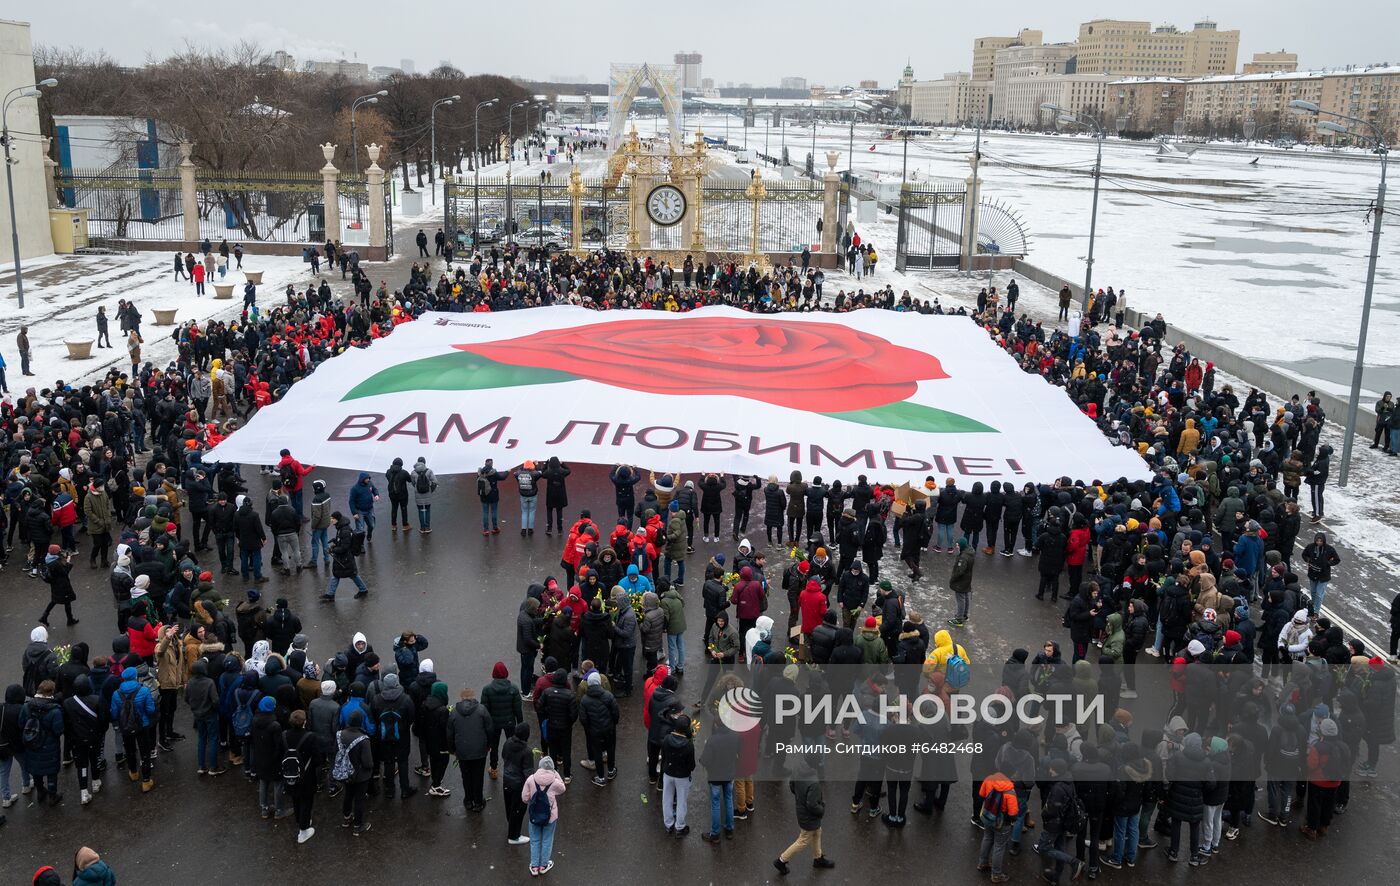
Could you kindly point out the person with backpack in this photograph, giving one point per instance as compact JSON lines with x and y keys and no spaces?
{"x":1000,"y":807}
{"x":424,"y":485}
{"x":1329,"y":762}
{"x":41,"y":736}
{"x":353,"y":767}
{"x":363,"y":495}
{"x":807,"y":796}
{"x":292,"y":474}
{"x":392,"y":712}
{"x":12,"y":745}
{"x":345,"y":547}
{"x":243,"y":703}
{"x":1189,"y":776}
{"x":517,"y":763}
{"x":267,"y":747}
{"x":540,"y":793}
{"x":38,"y":662}
{"x":396,"y":482}
{"x":1061,"y":817}
{"x":85,"y":732}
{"x":301,"y":771}
{"x":469,"y":731}
{"x":527,"y":478}
{"x":133,"y":710}
{"x":56,"y":571}
{"x":320,"y":523}
{"x":490,"y":494}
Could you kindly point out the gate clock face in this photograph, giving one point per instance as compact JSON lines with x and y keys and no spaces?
{"x":666,"y":205}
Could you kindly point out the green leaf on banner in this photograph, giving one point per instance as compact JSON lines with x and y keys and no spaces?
{"x":455,"y":371}
{"x":914,"y":417}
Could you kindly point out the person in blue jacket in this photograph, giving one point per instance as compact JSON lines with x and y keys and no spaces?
{"x":42,"y":752}
{"x":363,"y":495}
{"x":635,"y":583}
{"x":137,"y":744}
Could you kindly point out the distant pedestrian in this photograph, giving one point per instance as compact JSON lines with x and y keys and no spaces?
{"x":22,"y":345}
{"x":102,"y":328}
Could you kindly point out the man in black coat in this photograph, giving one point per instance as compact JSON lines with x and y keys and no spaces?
{"x":600,"y":714}
{"x":559,"y":709}
{"x":248,"y":527}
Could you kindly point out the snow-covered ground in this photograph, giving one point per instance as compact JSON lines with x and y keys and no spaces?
{"x":1266,"y":258}
{"x":62,"y":294}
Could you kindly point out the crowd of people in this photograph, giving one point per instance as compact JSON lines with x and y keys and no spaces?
{"x":1197,"y":568}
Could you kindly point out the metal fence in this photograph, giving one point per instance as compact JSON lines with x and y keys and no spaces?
{"x":930,"y":225}
{"x":268,"y":207}
{"x":135,"y":204}
{"x":787,"y":216}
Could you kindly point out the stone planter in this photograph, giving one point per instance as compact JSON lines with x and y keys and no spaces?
{"x":223,"y":290}
{"x":254,"y":277}
{"x":164,"y":316}
{"x":79,"y":350}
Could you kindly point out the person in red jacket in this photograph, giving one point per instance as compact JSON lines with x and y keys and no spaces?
{"x":295,"y":471}
{"x":1328,"y":763}
{"x":142,"y":628}
{"x":813,"y":604}
{"x":1076,"y":550}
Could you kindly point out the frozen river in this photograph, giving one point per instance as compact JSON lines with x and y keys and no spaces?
{"x":1268,"y":259}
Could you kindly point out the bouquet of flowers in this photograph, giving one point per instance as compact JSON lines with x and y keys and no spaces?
{"x":62,"y":654}
{"x":790,"y":654}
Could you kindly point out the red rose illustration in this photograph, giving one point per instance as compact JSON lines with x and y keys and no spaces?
{"x":816,"y":367}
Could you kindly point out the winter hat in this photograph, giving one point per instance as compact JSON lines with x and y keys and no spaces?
{"x":1196,"y":647}
{"x":1322,"y":712}
{"x":55,"y":550}
{"x":300,"y":641}
{"x":1328,"y":728}
{"x":1209,"y":614}
{"x":124,"y":560}
{"x":39,"y":635}
{"x":885,"y":585}
{"x":206,"y":575}
{"x":1232,"y":638}
{"x":1218,"y":744}
{"x":1376,"y":663}
{"x":425,"y":666}
{"x":821,"y":552}
{"x":595,"y":678}
{"x":719,"y":558}
{"x":141,"y":587}
{"x":962,"y":543}
{"x":47,"y":876}
{"x":328,"y":688}
{"x":675,"y":505}
{"x":267,"y":705}
{"x":498,"y":671}
{"x":1300,"y":617}
{"x":870,"y":621}
{"x":804,"y":567}
{"x":253,"y":595}
{"x":1192,"y":742}
{"x":390,"y":681}
{"x":547,"y":762}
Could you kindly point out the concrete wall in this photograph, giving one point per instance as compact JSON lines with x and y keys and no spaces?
{"x":1265,"y":378}
{"x":31,"y":194}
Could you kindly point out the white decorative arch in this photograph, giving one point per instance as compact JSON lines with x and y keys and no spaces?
{"x":623,"y":82}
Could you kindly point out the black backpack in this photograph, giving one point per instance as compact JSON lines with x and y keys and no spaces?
{"x":539,"y":806}
{"x":389,"y":722}
{"x":1073,"y":815}
{"x":292,"y":767}
{"x":289,"y":476}
{"x":422,"y":485}
{"x":128,"y":718}
{"x":33,"y":734}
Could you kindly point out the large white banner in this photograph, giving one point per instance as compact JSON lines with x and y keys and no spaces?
{"x":895,"y":396}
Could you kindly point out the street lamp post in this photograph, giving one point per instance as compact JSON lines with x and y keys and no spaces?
{"x":12,"y":96}
{"x":432,"y":125}
{"x":372,"y":99}
{"x":1064,"y":116}
{"x":476,"y":170}
{"x":1378,"y":139}
{"x":510,"y":160}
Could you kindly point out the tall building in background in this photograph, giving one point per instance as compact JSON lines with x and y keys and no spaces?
{"x":1136,"y":49}
{"x":1027,"y":76}
{"x":689,"y":63}
{"x":793,"y":83}
{"x":283,"y":61}
{"x":1271,"y":63}
{"x":984,"y":50}
{"x":406,"y":65}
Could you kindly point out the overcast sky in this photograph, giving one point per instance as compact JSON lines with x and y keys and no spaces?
{"x":826,"y":41}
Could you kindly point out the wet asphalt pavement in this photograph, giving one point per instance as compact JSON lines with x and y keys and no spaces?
{"x":462,"y":591}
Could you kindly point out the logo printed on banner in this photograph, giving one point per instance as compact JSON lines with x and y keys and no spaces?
{"x":824,"y":368}
{"x":740,"y":709}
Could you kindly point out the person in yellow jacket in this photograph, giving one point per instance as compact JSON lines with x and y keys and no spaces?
{"x":943,"y":649}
